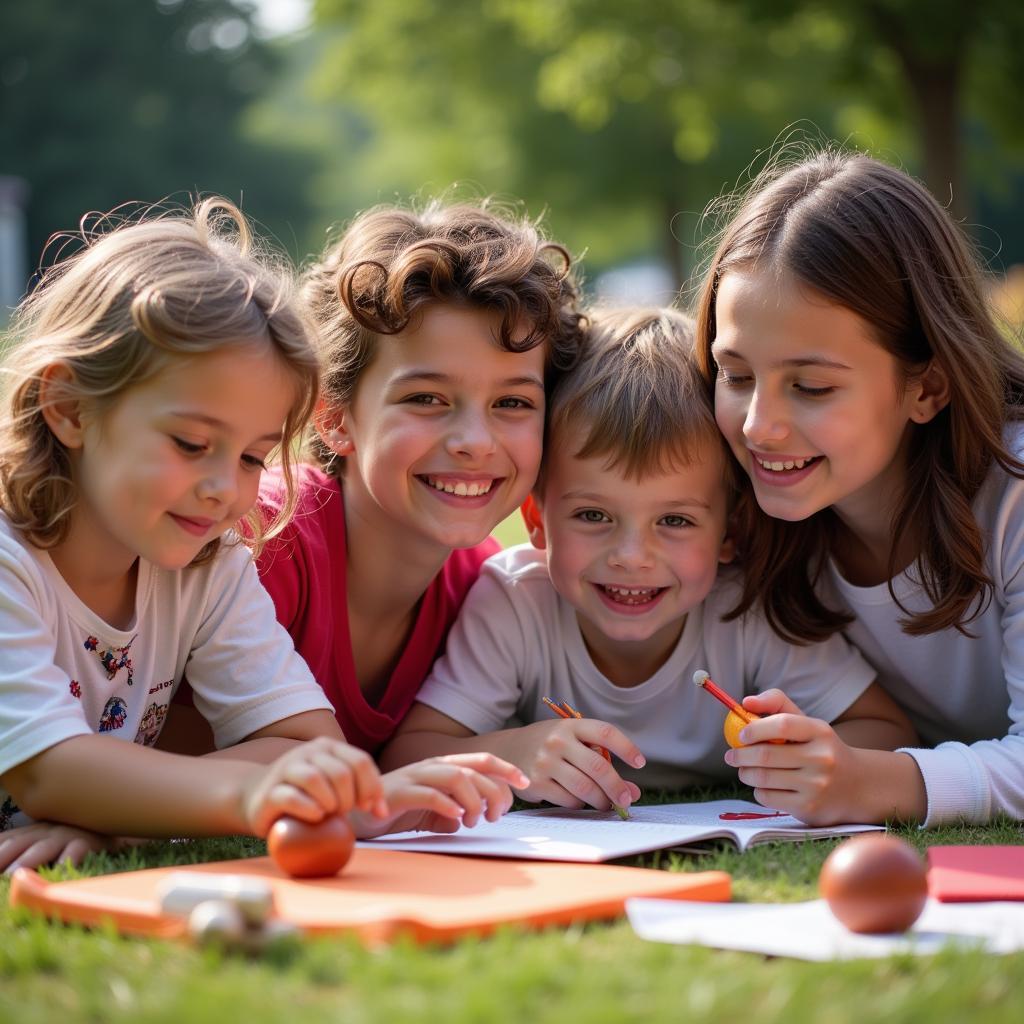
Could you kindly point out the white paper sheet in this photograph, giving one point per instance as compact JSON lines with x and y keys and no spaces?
{"x":808,"y":931}
{"x":553,"y":833}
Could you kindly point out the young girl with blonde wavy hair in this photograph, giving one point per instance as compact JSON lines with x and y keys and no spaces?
{"x":148,"y":379}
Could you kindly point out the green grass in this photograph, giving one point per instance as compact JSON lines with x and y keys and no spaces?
{"x":598,"y":973}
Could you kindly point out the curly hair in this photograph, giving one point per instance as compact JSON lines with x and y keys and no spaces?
{"x":391,"y":262}
{"x":139,"y":292}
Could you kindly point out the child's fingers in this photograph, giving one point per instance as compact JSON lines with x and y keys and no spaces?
{"x":322,"y":777}
{"x":46,"y":849}
{"x":771,"y":702}
{"x":489,"y":764}
{"x":590,"y":778}
{"x":369,"y":791}
{"x":601,"y":734}
{"x":282,"y":799}
{"x":786,"y":727}
{"x":475,"y":793}
{"x":412,"y":795}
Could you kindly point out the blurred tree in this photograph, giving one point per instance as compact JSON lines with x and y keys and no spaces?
{"x":619,"y":116}
{"x":627,"y":115}
{"x":956,"y":61}
{"x":109,"y":102}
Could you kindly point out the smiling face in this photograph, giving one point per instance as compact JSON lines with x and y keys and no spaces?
{"x":632,"y":556}
{"x":176,"y":460}
{"x":814,"y":408}
{"x":443,"y":438}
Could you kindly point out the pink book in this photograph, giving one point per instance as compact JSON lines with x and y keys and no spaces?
{"x":968,"y":874}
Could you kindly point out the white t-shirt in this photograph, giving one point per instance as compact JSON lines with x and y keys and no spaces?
{"x":65,"y":672}
{"x":517,"y":641}
{"x":964,"y":694}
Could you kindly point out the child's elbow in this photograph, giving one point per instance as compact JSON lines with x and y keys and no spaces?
{"x":27,"y":788}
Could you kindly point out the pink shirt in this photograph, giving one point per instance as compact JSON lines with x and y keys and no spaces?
{"x":304,"y":570}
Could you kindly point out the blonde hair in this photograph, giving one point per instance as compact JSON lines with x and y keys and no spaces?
{"x":141,"y":292}
{"x":637,"y":395}
{"x":391,"y":262}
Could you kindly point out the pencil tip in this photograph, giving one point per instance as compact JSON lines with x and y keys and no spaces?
{"x":699,"y":677}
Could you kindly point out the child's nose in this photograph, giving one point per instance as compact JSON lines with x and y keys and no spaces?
{"x":631,"y":551}
{"x":765,"y":419}
{"x":219,"y":484}
{"x":470,"y":435}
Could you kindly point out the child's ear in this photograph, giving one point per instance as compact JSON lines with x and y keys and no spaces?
{"x":534,"y":523}
{"x":930,"y":393}
{"x":330,"y":426}
{"x":727,"y":552}
{"x":62,"y":412}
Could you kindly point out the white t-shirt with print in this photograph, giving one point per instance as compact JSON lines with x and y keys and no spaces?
{"x":65,"y":672}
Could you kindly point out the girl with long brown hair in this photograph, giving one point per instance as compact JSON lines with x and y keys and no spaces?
{"x":865,"y":389}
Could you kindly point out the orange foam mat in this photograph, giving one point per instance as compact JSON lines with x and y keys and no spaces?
{"x":384,"y":893}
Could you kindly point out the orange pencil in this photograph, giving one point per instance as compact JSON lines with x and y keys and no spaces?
{"x":731,"y":730}
{"x":703,"y":680}
{"x":566,"y":710}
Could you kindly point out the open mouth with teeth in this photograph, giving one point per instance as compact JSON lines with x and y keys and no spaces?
{"x":786,"y":465}
{"x":631,"y":597}
{"x":459,"y":488}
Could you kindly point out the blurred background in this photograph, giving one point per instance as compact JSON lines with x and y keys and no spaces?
{"x":619,"y":122}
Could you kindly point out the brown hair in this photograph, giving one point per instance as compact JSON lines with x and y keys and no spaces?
{"x":391,"y":262}
{"x":872,"y":239}
{"x":638,"y":395}
{"x":140,"y":292}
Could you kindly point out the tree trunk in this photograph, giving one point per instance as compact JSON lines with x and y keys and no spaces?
{"x":935,"y":89}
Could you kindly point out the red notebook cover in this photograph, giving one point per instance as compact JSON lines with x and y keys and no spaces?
{"x":966,"y":874}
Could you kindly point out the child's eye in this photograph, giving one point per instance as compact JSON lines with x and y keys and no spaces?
{"x":423,"y":400}
{"x":514,"y":402}
{"x":254,"y":462}
{"x":592,"y":515}
{"x":812,"y":392}
{"x":188,"y":447}
{"x":733,"y":380}
{"x":675,"y":521}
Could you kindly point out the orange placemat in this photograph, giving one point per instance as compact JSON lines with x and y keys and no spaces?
{"x":384,"y":893}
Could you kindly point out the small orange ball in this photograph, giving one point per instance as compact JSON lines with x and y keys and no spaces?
{"x":305,"y":850}
{"x":732,"y":726}
{"x":874,"y":884}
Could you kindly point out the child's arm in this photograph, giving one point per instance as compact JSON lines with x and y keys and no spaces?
{"x":818,"y":774}
{"x":117,"y":788}
{"x":558,"y":757}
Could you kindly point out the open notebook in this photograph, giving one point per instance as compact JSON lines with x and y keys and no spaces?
{"x":553,"y":833}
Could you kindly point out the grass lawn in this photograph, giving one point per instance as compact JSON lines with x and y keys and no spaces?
{"x":596,"y":973}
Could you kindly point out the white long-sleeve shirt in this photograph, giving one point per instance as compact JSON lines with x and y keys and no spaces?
{"x":964,"y":694}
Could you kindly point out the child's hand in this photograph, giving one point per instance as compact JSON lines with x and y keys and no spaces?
{"x":441,"y":793}
{"x":566,"y":768}
{"x":813,"y":775}
{"x":317,"y":778}
{"x":42,"y":842}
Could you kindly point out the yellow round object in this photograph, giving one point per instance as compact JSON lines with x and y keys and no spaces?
{"x":731,"y":728}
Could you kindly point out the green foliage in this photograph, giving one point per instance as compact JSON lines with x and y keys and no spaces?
{"x":108,"y":102}
{"x":595,"y":973}
{"x":625,"y":119}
